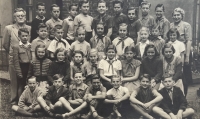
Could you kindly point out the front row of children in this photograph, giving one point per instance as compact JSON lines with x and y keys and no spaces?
{"x":79,"y":99}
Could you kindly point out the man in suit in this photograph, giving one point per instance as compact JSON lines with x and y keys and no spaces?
{"x":174,"y":103}
{"x":11,"y":39}
{"x":51,"y":103}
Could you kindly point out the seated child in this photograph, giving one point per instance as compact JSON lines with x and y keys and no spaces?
{"x":58,"y":42}
{"x":80,"y":43}
{"x":100,"y":41}
{"x":92,"y":66}
{"x":144,"y":99}
{"x":61,"y":66}
{"x":28,"y":105}
{"x":68,"y":24}
{"x":51,"y":103}
{"x":40,"y":65}
{"x":109,"y":66}
{"x":122,"y":40}
{"x":94,"y":96}
{"x":157,"y":40}
{"x":75,"y":103}
{"x":130,"y":69}
{"x":21,"y":60}
{"x":41,"y":39}
{"x":78,"y":64}
{"x":117,"y":95}
{"x":174,"y":102}
{"x":51,"y":23}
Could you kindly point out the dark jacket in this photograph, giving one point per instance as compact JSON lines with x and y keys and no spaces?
{"x":179,"y":100}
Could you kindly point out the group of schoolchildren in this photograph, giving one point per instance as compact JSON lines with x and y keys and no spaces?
{"x":102,"y":67}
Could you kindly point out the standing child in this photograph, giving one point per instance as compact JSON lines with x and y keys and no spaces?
{"x":80,"y":43}
{"x":174,"y":102}
{"x":134,"y":25}
{"x":144,"y":41}
{"x":117,"y":95}
{"x":40,"y":18}
{"x":152,"y":65}
{"x":58,"y":42}
{"x":118,"y":18}
{"x":41,"y":39}
{"x":95,"y":96}
{"x":75,"y":103}
{"x":22,"y":59}
{"x":51,"y":23}
{"x":109,"y":66}
{"x":146,"y":20}
{"x":157,"y":40}
{"x":51,"y":103}
{"x":161,"y":23}
{"x":68,"y":24}
{"x":173,"y":35}
{"x":122,"y":40}
{"x":130,"y":69}
{"x":145,"y":99}
{"x":84,"y":20}
{"x":40,"y":65}
{"x":100,"y":41}
{"x":78,"y":64}
{"x":28,"y":100}
{"x":61,"y":66}
{"x":106,"y":20}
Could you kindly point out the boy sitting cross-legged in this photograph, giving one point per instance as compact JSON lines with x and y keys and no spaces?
{"x":174,"y":102}
{"x":117,"y":95}
{"x":51,"y":103}
{"x":28,"y":100}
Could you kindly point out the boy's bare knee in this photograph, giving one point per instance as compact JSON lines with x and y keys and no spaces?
{"x":15,"y":107}
{"x":191,"y":111}
{"x":98,"y":93}
{"x":61,"y":98}
{"x":58,"y":104}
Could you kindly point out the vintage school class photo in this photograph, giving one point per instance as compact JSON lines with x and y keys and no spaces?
{"x":100,"y":59}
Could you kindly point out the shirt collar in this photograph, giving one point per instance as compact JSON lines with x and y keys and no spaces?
{"x":82,"y":87}
{"x":145,"y":17}
{"x":114,"y":59}
{"x":175,"y":42}
{"x":160,"y":19}
{"x":147,"y":42}
{"x":80,"y":42}
{"x":70,"y":18}
{"x":55,"y":20}
{"x":24,"y":45}
{"x":37,"y":17}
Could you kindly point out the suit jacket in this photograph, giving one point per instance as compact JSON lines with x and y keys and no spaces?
{"x":179,"y":100}
{"x":53,"y":96}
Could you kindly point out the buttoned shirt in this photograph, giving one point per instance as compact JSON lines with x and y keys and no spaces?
{"x":82,"y":46}
{"x":77,"y":92}
{"x":117,"y":93}
{"x":55,"y":44}
{"x":147,"y":21}
{"x":68,"y":27}
{"x":39,"y":41}
{"x":142,"y":47}
{"x":179,"y":47}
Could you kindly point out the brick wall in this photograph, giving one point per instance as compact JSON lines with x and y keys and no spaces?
{"x":93,"y":6}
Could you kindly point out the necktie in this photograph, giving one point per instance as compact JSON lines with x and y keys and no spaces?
{"x":121,"y":40}
{"x":170,"y":94}
{"x":110,"y":66}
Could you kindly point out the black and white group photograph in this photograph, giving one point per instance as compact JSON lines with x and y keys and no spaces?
{"x":100,"y":59}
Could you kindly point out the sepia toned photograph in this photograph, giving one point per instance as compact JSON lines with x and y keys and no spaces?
{"x":100,"y":59}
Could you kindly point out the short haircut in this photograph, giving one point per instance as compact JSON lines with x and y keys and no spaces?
{"x":77,"y":72}
{"x":24,"y":30}
{"x":129,"y":48}
{"x":73,"y":4}
{"x":145,"y":3}
{"x":33,"y":77}
{"x":102,"y":1}
{"x":118,"y":2}
{"x":61,"y":50}
{"x":40,"y":4}
{"x":111,"y":46}
{"x":147,"y":76}
{"x":133,"y":8}
{"x":124,"y":24}
{"x":52,"y":6}
{"x":173,"y":30}
{"x":144,"y":29}
{"x":168,"y":45}
{"x":95,"y":76}
{"x":57,"y":27}
{"x":77,"y":52}
{"x":58,"y":76}
{"x":42,"y":25}
{"x":116,"y":77}
{"x":82,"y":2}
{"x":19,"y":10}
{"x":160,"y":5}
{"x":151,"y":46}
{"x":80,"y":28}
